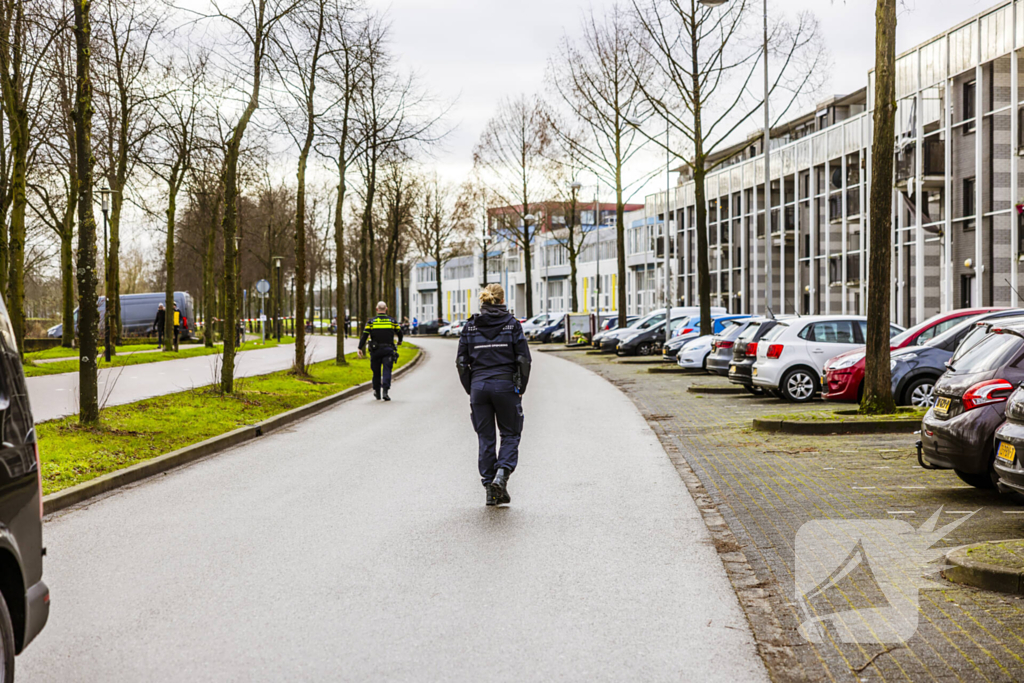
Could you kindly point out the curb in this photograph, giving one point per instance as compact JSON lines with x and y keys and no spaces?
{"x":970,"y":572}
{"x":819,"y":428}
{"x":564,"y":349}
{"x":675,"y":370}
{"x":74,"y":495}
{"x":633,"y":360}
{"x":694,"y":389}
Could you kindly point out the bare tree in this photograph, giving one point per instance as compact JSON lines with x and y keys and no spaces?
{"x":704,"y":64}
{"x":566,"y":169}
{"x":179,"y":112}
{"x":399,"y":196}
{"x":438,"y":229}
{"x":88,"y":308}
{"x":126,"y":101}
{"x":476,"y":199}
{"x":511,"y":153}
{"x":255,"y":24}
{"x":877,"y":398}
{"x":599,"y":79}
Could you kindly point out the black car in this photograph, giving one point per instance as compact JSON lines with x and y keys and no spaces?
{"x":1009,"y":446}
{"x":915,"y":369}
{"x":25,"y":603}
{"x":646,"y":342}
{"x":721,"y":356}
{"x":610,"y":341}
{"x":957,"y":431}
{"x":744,"y":353}
{"x":431,"y":326}
{"x":557,"y":324}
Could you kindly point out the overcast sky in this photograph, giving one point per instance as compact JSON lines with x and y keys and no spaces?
{"x":478,"y":51}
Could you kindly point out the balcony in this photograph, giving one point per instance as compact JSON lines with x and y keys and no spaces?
{"x":835,"y":206}
{"x":934,"y":163}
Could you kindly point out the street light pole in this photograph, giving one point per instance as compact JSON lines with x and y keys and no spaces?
{"x":664,"y":236}
{"x":597,"y":224}
{"x":105,"y":207}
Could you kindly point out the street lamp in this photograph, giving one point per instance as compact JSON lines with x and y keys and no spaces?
{"x":575,"y":187}
{"x":105,"y":207}
{"x":767,"y":164}
{"x":527,"y":219}
{"x":277,"y":305}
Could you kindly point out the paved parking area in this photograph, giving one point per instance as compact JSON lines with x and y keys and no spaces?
{"x":756,"y":490}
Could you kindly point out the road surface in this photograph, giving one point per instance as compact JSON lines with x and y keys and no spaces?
{"x":54,"y":396}
{"x":356,"y":546}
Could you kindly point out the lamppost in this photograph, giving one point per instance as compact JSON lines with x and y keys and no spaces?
{"x":105,"y":207}
{"x":277,"y":305}
{"x":767,"y":165}
{"x":527,"y":219}
{"x":597,"y":228}
{"x":575,"y":187}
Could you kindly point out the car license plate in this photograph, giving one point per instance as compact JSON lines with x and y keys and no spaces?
{"x":732,"y":368}
{"x":942,"y":405}
{"x":754,"y":372}
{"x":1007,"y":452}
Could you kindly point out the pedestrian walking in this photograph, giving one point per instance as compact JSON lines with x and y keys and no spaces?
{"x":405,"y":326}
{"x":158,"y":324}
{"x":379,"y":337}
{"x":415,"y":324}
{"x":177,"y":325}
{"x":494,"y":365}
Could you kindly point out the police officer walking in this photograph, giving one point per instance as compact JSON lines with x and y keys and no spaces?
{"x":494,"y":365}
{"x":379,"y":336}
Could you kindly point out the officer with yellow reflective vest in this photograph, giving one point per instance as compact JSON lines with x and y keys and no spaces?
{"x":379,"y":336}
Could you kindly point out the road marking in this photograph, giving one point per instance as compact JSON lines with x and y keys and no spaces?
{"x":900,"y":512}
{"x":863,"y":488}
{"x":913,"y":487}
{"x":882,"y":467}
{"x":960,"y":512}
{"x":1013,"y":512}
{"x":828,"y":468}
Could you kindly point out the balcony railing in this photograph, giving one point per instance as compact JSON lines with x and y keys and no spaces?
{"x":934,"y":159}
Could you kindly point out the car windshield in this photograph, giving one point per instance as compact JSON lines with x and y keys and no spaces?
{"x":646,"y":323}
{"x":992,"y":352}
{"x":537,"y":319}
{"x":908,"y":334}
{"x":972,"y":339}
{"x":775,"y":332}
{"x":945,"y":338}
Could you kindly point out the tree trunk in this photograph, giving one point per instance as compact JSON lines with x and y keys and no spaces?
{"x":88,"y":310}
{"x":339,"y":266}
{"x":209,"y":280}
{"x":300,"y":263}
{"x":440,"y":294}
{"x":703,"y":271}
{"x":877,"y":398}
{"x":169,"y":266}
{"x":528,"y":267}
{"x":620,"y":249}
{"x":16,"y":243}
{"x":67,"y":286}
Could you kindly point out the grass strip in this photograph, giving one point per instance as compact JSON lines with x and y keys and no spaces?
{"x":847,"y":415}
{"x":71,"y":454}
{"x":126,"y":357}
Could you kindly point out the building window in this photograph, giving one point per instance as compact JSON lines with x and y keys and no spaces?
{"x":966,"y":291}
{"x":968,"y":204}
{"x":970,"y":110}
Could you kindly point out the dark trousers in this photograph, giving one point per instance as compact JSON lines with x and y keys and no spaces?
{"x":381,"y":361}
{"x":496,"y":401}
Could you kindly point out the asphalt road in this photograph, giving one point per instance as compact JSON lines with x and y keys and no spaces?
{"x":54,"y":396}
{"x":356,"y":546}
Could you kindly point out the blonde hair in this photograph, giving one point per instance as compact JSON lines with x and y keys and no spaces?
{"x":492,"y":294}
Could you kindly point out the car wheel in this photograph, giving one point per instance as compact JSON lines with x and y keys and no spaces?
{"x":6,"y":644}
{"x":756,"y":391}
{"x":798,"y":385}
{"x":704,"y":365}
{"x":979,"y":480}
{"x":645,"y":349}
{"x":919,"y":393}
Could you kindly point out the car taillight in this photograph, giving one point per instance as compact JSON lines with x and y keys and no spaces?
{"x":987,"y":393}
{"x":752,"y":349}
{"x":687,"y":330}
{"x":725,"y":344}
{"x":39,"y":480}
{"x":775,"y":350}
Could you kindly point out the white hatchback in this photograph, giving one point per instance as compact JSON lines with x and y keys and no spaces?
{"x":791,"y":356}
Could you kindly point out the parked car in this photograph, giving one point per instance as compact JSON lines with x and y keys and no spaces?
{"x":915,"y":369}
{"x":535,"y":323}
{"x":844,"y":374}
{"x":557,"y":335}
{"x":690,"y":329}
{"x":451,"y":330}
{"x":138,"y":311}
{"x":958,"y":431}
{"x":722,"y":344}
{"x":555,"y":323}
{"x":744,"y":354}
{"x":790,"y":358}
{"x":610,"y":341}
{"x":24,"y":597}
{"x":645,"y":342}
{"x":1009,"y":447}
{"x":610,"y":326}
{"x":431,"y":326}
{"x":694,"y":353}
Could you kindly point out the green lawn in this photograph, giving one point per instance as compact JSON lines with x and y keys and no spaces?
{"x":139,"y":431}
{"x":847,"y":415}
{"x":125,"y":356}
{"x":61,"y":352}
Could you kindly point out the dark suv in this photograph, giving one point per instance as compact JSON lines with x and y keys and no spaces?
{"x":744,"y":353}
{"x":957,"y":431}
{"x":25,"y":602}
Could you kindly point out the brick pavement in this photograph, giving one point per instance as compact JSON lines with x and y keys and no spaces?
{"x":757,"y":489}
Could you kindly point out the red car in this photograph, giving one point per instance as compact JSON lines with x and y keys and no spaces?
{"x":844,"y":374}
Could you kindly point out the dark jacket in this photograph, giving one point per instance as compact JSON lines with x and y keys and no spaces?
{"x":158,"y":322}
{"x":380,"y":332}
{"x":492,"y":346}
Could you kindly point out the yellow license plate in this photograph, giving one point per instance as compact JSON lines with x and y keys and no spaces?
{"x":754,"y":373}
{"x":1007,"y":452}
{"x":942,"y":405}
{"x":732,"y":368}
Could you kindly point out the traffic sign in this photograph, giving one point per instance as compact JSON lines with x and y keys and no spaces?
{"x":262,"y":286}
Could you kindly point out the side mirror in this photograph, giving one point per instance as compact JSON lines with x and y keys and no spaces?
{"x":5,"y":401}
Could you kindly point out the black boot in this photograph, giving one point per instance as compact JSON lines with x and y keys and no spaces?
{"x":376,"y":394}
{"x":498,"y":487}
{"x":386,"y":397}
{"x":492,"y":499}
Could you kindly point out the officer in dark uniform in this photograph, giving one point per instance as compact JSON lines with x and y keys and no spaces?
{"x":494,"y":366}
{"x":380,"y":332}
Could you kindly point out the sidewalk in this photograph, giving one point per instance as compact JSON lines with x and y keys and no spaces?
{"x":55,"y":396}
